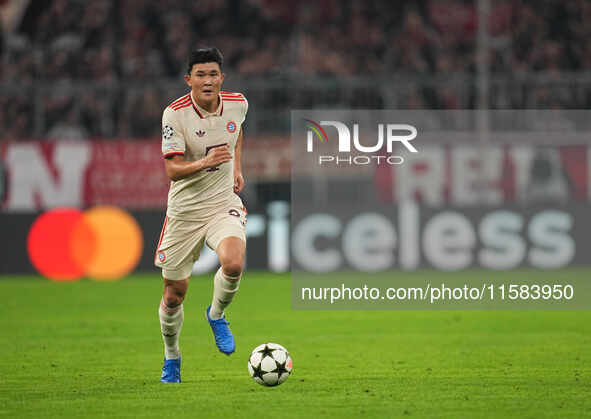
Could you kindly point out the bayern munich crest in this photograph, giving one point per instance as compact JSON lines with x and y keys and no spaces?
{"x":161,"y":256}
{"x":231,"y":127}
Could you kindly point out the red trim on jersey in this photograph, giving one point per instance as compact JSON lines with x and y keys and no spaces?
{"x":181,"y":103}
{"x":174,"y":153}
{"x":161,"y":237}
{"x":186,"y":95}
{"x":178,"y":101}
{"x":233,"y":100}
{"x":197,"y":110}
{"x":181,"y":99}
{"x":199,"y":113}
{"x":182,"y":106}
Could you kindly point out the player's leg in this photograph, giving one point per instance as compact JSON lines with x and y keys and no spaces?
{"x":180,"y":242}
{"x":227,"y":279}
{"x":226,"y":235}
{"x":171,"y":315}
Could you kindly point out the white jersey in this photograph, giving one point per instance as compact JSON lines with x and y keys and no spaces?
{"x":189,"y":130}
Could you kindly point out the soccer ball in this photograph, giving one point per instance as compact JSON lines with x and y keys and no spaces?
{"x":270,"y":364}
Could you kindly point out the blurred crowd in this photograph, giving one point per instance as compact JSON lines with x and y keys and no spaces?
{"x":106,"y":68}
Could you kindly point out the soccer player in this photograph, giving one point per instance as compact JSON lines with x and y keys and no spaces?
{"x":202,"y":147}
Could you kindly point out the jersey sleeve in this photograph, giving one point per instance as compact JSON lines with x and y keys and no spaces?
{"x":173,"y":142}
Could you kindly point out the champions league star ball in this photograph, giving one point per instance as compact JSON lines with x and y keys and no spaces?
{"x":270,"y":364}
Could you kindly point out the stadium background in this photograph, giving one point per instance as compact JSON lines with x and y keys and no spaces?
{"x":83,"y":88}
{"x":84,"y":85}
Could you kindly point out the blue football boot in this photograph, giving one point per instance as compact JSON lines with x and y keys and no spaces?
{"x":222,"y":333}
{"x":171,"y":371}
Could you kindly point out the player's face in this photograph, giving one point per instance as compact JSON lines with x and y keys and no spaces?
{"x":206,"y":81}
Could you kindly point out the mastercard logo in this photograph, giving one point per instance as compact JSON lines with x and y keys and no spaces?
{"x":102,"y":243}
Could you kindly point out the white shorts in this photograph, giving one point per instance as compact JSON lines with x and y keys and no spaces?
{"x":181,"y":241}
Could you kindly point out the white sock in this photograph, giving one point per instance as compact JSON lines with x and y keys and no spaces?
{"x":224,"y":289}
{"x":171,"y":323}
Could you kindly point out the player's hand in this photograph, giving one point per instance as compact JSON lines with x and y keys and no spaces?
{"x":238,"y":183}
{"x":217,"y":156}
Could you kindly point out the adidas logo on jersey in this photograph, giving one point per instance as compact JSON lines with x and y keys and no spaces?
{"x":200,"y":133}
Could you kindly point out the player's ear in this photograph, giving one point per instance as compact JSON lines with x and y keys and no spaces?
{"x":188,"y":79}
{"x":222,"y":77}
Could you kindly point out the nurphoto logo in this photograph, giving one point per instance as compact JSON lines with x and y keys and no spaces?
{"x":387,"y":134}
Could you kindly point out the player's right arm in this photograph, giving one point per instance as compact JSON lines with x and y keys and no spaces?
{"x":177,"y":168}
{"x":173,"y":150}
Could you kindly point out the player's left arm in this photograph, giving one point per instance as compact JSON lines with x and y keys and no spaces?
{"x":238,"y":177}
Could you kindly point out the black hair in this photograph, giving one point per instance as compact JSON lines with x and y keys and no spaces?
{"x":205,"y":55}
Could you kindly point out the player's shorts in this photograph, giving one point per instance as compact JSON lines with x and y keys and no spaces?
{"x":181,"y":241}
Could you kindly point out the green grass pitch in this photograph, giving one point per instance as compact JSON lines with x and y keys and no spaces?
{"x":90,"y":349}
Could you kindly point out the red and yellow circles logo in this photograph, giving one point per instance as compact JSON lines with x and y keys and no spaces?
{"x":102,"y":243}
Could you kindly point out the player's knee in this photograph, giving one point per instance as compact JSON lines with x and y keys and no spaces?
{"x":173,"y":297}
{"x":232,"y":262}
{"x":231,"y":254}
{"x":232,"y":267}
{"x":173,"y":300}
